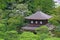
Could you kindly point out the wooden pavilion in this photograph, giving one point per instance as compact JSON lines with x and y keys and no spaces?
{"x":35,"y":20}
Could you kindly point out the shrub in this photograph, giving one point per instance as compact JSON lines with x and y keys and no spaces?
{"x":57,"y":31}
{"x":2,"y":27}
{"x":42,"y":29}
{"x":28,"y":36}
{"x":52,"y":38}
{"x":11,"y":35}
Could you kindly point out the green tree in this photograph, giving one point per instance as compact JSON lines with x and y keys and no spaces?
{"x":2,"y":27}
{"x":55,"y":16}
{"x":15,"y":22}
{"x":43,"y":5}
{"x":11,"y":35}
{"x":2,"y":4}
{"x":57,"y":31}
{"x":23,"y":9}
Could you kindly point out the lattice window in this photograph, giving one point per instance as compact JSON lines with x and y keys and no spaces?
{"x":40,"y":22}
{"x":36,"y":22}
{"x":32,"y":22}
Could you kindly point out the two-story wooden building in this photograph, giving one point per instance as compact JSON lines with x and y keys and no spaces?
{"x":35,"y":20}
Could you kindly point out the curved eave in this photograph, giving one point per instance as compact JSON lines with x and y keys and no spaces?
{"x":37,"y":18}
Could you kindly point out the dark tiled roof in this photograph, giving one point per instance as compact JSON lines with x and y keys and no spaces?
{"x":39,"y":16}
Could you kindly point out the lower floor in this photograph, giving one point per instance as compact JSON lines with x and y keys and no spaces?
{"x":32,"y":28}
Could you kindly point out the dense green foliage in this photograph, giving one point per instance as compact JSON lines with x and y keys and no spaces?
{"x":42,"y":29}
{"x":56,"y":16}
{"x":12,"y":13}
{"x":52,"y":38}
{"x":57,"y":31}
{"x":28,"y":36}
{"x":43,"y":5}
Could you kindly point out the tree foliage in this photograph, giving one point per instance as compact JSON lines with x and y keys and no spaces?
{"x":12,"y":13}
{"x":55,"y":16}
{"x":43,"y":5}
{"x":42,"y":29}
